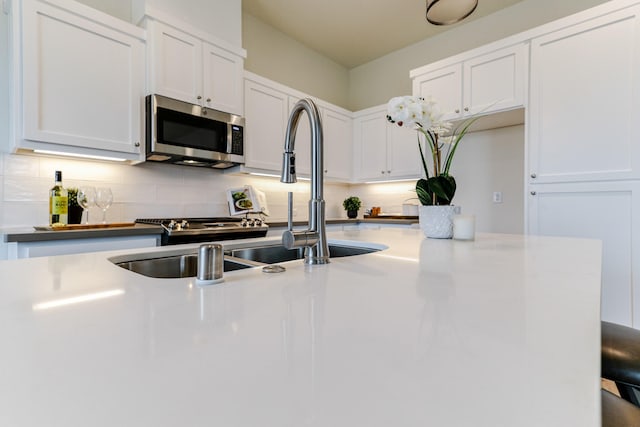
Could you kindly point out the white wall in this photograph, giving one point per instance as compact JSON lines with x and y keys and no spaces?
{"x":376,"y":82}
{"x":276,"y":56}
{"x":485,"y":162}
{"x":142,"y":191}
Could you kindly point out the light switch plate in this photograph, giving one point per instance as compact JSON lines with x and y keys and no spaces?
{"x":497,"y":197}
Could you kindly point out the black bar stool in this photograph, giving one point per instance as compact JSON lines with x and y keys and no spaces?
{"x":620,"y":350}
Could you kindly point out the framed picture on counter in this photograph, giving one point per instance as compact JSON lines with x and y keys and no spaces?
{"x":246,"y":200}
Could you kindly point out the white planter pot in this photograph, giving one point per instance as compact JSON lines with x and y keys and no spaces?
{"x":436,"y":222}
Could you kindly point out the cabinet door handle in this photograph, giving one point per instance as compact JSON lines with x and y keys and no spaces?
{"x":466,"y":108}
{"x":533,"y":193}
{"x":137,"y":144}
{"x":382,"y":172}
{"x":199,"y":97}
{"x":534,"y":176}
{"x":388,"y":171}
{"x":208,"y":99}
{"x":457,"y":111}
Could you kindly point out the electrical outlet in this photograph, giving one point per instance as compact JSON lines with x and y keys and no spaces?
{"x":497,"y":197}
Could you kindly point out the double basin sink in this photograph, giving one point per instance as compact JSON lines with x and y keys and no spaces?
{"x":175,"y":264}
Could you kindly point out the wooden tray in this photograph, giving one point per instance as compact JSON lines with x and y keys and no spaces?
{"x":383,"y":216}
{"x":84,"y":226}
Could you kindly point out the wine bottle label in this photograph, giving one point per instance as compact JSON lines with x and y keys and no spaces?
{"x":59,"y":205}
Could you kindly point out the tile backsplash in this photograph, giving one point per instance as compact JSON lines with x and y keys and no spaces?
{"x":145,"y":190}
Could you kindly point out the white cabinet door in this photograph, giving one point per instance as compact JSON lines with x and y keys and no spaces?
{"x":403,"y":155}
{"x":176,"y":63}
{"x":83,"y":81}
{"x":483,"y":84}
{"x":384,"y":151}
{"x":445,"y":86}
{"x":585,"y":101}
{"x":222,"y":74}
{"x":370,"y":134}
{"x":193,"y":70}
{"x":606,"y":211}
{"x":338,"y":144}
{"x":495,"y":82}
{"x":266,"y":112}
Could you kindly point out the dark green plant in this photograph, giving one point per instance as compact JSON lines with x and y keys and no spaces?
{"x":72,"y":194}
{"x":352,"y":203}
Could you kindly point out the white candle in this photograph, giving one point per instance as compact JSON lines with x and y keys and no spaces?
{"x":464,"y":227}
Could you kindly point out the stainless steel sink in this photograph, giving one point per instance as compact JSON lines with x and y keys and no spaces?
{"x":273,"y":254}
{"x":175,"y":266}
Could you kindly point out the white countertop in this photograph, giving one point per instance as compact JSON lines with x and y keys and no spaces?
{"x":503,"y":331}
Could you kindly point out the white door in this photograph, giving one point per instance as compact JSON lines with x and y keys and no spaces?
{"x":176,"y":63}
{"x":496,"y":81}
{"x":445,"y":86}
{"x":370,"y":132}
{"x":222,"y":80}
{"x":606,"y":211}
{"x":585,"y":101}
{"x":403,"y":155}
{"x":83,"y":82}
{"x":338,"y":145}
{"x":266,"y":112}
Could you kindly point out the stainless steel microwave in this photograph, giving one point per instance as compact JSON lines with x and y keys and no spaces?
{"x":186,"y":134}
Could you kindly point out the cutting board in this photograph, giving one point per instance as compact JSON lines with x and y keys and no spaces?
{"x":84,"y":226}
{"x":383,"y":216}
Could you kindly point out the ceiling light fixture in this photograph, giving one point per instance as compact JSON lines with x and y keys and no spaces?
{"x":446,"y":12}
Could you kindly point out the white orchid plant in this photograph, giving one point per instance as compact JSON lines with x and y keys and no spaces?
{"x":423,"y":115}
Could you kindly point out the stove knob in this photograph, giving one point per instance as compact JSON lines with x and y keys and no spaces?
{"x":258,"y":222}
{"x":172,"y":225}
{"x":243,"y":223}
{"x":184,"y":223}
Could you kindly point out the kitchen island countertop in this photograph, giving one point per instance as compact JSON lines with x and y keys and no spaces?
{"x":500,"y":331}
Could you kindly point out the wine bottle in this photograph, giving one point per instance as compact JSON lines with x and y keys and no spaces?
{"x":58,"y":203}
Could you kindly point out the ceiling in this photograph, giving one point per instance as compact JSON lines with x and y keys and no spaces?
{"x":353,"y":32}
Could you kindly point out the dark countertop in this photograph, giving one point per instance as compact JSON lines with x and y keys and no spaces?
{"x":29,"y":234}
{"x":355,"y":221}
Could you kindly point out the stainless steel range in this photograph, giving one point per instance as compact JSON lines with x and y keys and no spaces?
{"x":194,"y":230}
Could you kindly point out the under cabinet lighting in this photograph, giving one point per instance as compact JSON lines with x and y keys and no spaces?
{"x":391,"y":181}
{"x":273,"y":175}
{"x":84,"y":156}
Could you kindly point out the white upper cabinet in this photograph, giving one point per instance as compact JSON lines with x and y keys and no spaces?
{"x":188,"y":68}
{"x":266,"y":111}
{"x":489,"y":83}
{"x":79,"y":79}
{"x":267,"y":108}
{"x":338,"y":143}
{"x":585,"y":99}
{"x":384,"y":151}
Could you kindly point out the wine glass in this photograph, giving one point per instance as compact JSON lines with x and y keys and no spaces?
{"x":86,"y":198}
{"x":104,"y":199}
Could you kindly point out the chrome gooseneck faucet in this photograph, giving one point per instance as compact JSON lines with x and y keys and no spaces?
{"x":314,"y":238}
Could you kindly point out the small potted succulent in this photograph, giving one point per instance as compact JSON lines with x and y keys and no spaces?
{"x":74,"y":209}
{"x":351,"y":205}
